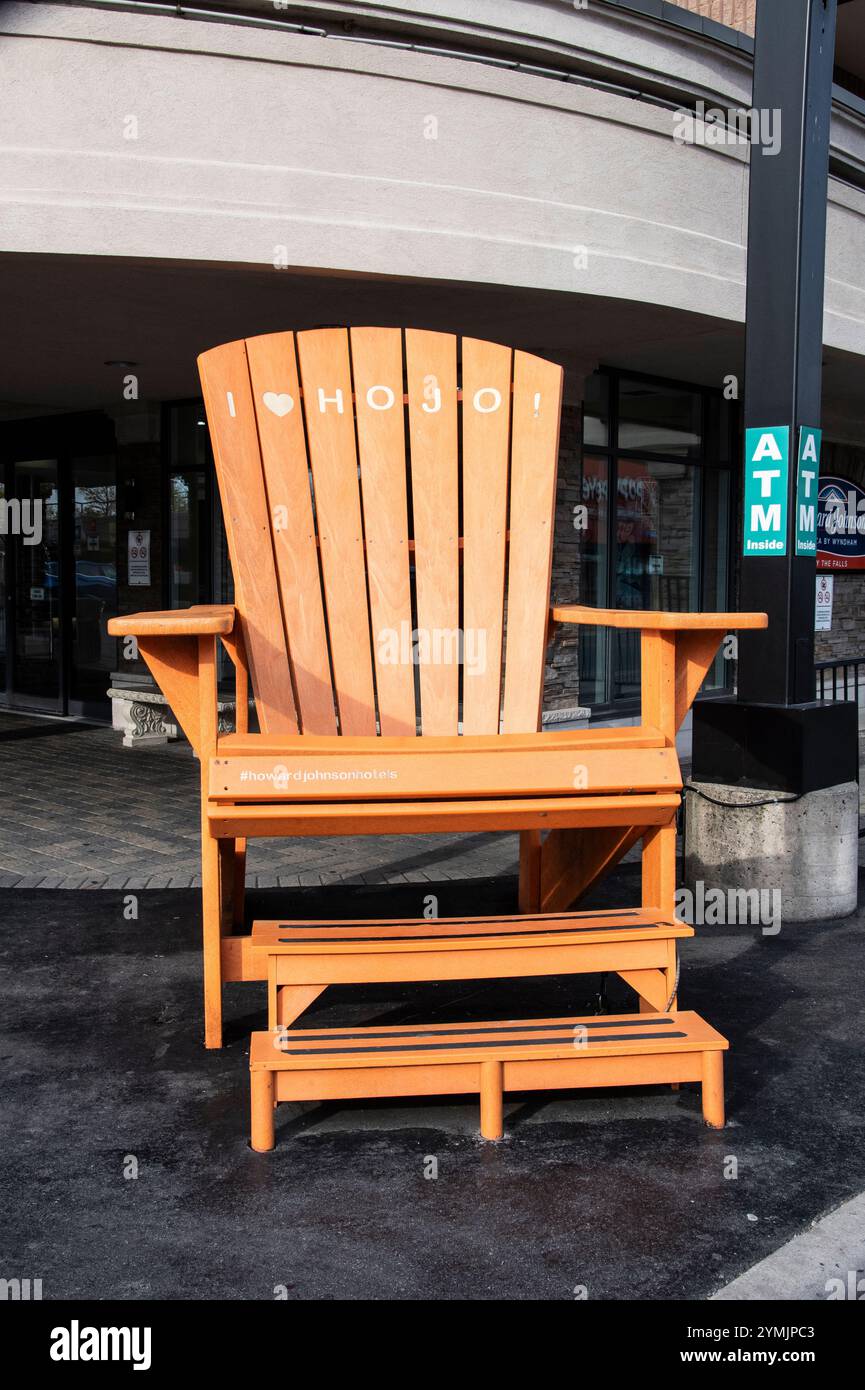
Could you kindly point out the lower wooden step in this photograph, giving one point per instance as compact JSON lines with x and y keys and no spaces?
{"x":485,"y":1058}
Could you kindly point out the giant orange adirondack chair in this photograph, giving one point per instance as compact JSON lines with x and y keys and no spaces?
{"x":389,"y":496}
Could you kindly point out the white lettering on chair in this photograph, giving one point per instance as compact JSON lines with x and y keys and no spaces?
{"x":229,"y":396}
{"x":537,"y":404}
{"x":279,"y":403}
{"x":324,"y":401}
{"x":380,"y":405}
{"x":487,"y":391}
{"x":432,"y":392}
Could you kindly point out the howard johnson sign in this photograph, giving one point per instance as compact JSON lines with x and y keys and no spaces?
{"x":840,"y":525}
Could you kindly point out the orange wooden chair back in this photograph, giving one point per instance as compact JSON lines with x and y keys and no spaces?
{"x":389,"y":501}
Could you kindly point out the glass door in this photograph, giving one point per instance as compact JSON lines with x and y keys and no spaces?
{"x":198,"y":568}
{"x":94,"y":591}
{"x":657,"y":489}
{"x":4,"y":561}
{"x":657,"y":555}
{"x":37,"y":646}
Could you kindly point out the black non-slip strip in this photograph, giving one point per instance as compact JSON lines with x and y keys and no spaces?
{"x":466,"y":1047}
{"x":469,"y":936}
{"x":581,"y":918}
{"x":465,"y":1028}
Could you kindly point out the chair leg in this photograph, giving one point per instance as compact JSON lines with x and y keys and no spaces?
{"x":239,"y":893}
{"x":530,"y":871}
{"x":659,"y":869}
{"x":713,"y":1089}
{"x":211,"y":914}
{"x":491,"y":1100}
{"x":262,"y":1093}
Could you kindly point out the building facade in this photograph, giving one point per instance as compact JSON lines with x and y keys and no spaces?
{"x":543,"y":174}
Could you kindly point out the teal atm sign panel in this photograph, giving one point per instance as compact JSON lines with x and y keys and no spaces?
{"x":807,"y":489}
{"x":767,"y":473}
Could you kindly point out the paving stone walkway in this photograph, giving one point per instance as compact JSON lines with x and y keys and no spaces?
{"x":81,"y":811}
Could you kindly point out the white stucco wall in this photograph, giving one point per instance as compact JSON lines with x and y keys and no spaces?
{"x":251,"y":140}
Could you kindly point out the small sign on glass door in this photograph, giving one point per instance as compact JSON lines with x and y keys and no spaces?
{"x":139,"y":559}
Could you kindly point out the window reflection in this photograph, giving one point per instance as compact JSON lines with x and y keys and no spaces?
{"x":658,"y":531}
{"x":2,"y":589}
{"x":94,"y":542}
{"x":660,"y":419}
{"x":596,"y":412}
{"x":37,"y":586}
{"x":188,"y":569}
{"x":198,"y":565}
{"x":594,"y":571}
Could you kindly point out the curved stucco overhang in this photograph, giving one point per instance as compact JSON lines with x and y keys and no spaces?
{"x":154,"y":138}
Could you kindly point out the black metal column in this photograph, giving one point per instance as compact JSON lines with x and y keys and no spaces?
{"x":794,"y":58}
{"x":775,"y":735}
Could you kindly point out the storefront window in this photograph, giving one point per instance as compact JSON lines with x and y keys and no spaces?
{"x":188,"y":575}
{"x":36,"y":618}
{"x":596,"y":412}
{"x":198,"y":564}
{"x":717,"y":488}
{"x":94,"y":550}
{"x":658,"y":534}
{"x":657,"y":545}
{"x":594,"y":578}
{"x":3,"y":563}
{"x":189,"y":441}
{"x":662,"y":419}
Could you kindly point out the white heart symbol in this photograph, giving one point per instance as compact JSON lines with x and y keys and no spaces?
{"x":279,"y":404}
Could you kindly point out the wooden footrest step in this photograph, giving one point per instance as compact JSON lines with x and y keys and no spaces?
{"x":301,"y":958}
{"x":486,"y":1058}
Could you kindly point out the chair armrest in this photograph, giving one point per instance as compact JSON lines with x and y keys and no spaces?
{"x":656,"y":622}
{"x":676,"y":651}
{"x":183,"y":667}
{"x":204,"y":620}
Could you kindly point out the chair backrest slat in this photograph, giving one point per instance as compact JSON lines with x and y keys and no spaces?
{"x":486,"y":417}
{"x":325,"y":373}
{"x":377,"y":368}
{"x":431,"y":362}
{"x":537,"y":405}
{"x":346,"y":464}
{"x":276,"y":391}
{"x":231,"y":416}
